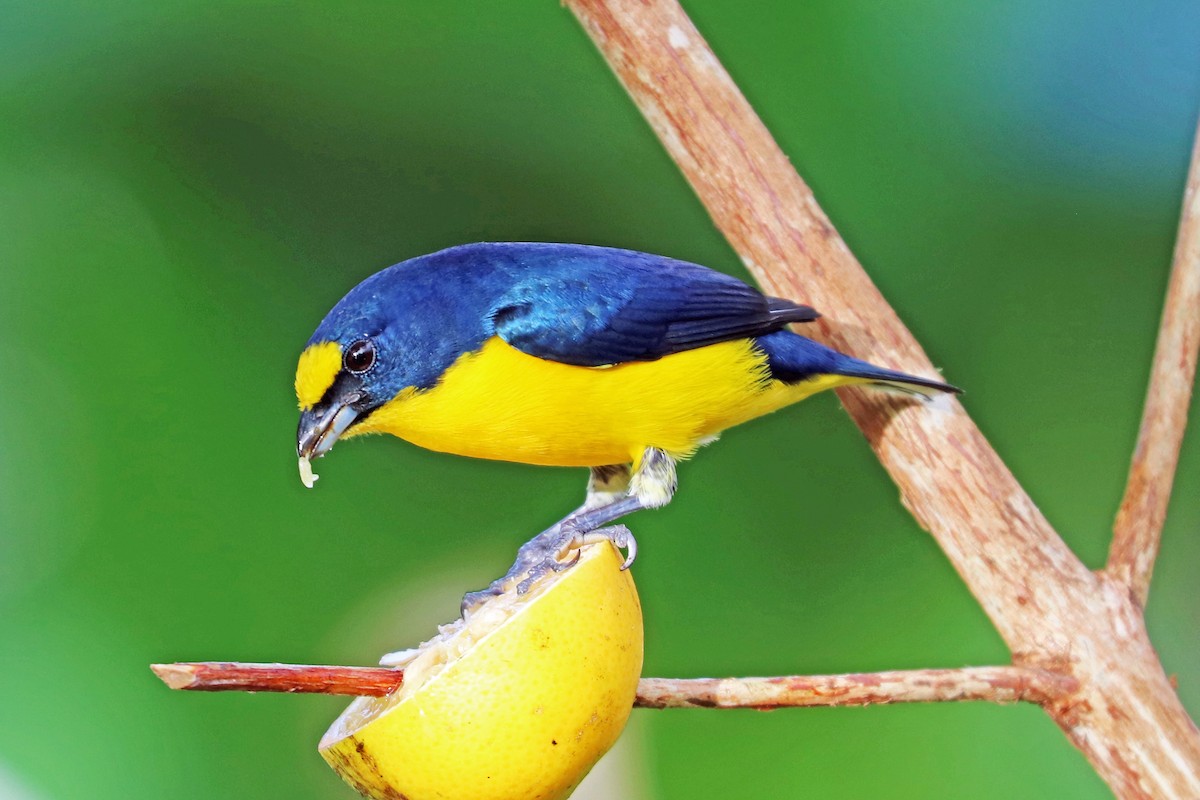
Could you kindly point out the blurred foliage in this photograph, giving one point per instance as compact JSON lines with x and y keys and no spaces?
{"x":185,"y":188}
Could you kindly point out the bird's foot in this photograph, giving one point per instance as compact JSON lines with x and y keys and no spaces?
{"x":563,"y":551}
{"x":552,"y":550}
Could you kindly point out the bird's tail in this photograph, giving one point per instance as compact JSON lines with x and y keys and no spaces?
{"x":896,"y":381}
{"x":793,"y":358}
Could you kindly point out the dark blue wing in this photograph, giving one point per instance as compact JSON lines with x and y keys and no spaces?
{"x":592,"y":306}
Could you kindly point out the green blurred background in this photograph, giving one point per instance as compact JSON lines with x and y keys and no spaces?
{"x":185,"y":188}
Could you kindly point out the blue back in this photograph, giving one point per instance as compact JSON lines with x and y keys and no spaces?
{"x":571,"y":303}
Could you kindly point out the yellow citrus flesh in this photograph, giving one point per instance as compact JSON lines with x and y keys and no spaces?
{"x":517,"y":703}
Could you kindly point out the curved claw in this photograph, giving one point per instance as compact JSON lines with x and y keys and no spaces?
{"x":619,"y":536}
{"x":630,"y":550}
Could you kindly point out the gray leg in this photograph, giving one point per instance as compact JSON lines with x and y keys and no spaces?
{"x":652,"y":485}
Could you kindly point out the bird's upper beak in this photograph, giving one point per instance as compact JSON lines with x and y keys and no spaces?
{"x":320,"y":427}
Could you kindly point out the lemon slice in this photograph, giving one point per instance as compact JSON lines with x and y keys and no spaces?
{"x":518,"y":702}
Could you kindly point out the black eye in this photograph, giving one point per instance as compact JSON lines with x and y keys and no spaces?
{"x":360,"y":356}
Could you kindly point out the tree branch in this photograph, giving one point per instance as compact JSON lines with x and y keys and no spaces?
{"x":1139,"y":524}
{"x":948,"y":475}
{"x":993,"y":684}
{"x":1052,"y":611}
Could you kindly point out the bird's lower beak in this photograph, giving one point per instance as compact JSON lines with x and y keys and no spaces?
{"x":319,"y":429}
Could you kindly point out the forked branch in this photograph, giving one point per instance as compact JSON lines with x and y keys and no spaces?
{"x":1053,"y":612}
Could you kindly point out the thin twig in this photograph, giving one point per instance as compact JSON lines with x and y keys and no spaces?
{"x":231,"y":676}
{"x":992,"y":684}
{"x":1139,"y":524}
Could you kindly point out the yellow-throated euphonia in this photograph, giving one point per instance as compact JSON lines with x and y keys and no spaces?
{"x":566,"y":355}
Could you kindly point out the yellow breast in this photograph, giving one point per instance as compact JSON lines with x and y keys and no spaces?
{"x":500,"y":403}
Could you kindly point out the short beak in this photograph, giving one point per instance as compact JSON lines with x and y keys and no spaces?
{"x":320,"y":428}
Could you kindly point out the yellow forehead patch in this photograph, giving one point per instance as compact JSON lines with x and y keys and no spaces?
{"x":318,"y":367}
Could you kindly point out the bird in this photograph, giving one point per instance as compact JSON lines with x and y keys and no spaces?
{"x":563,"y":355}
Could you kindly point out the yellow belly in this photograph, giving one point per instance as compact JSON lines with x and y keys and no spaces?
{"x":500,"y":403}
